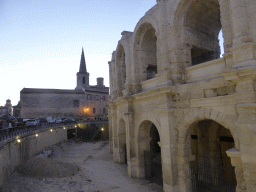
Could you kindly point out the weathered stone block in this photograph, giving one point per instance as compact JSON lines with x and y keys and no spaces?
{"x":210,"y":93}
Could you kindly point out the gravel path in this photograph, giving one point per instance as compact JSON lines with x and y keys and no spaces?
{"x":97,"y":173}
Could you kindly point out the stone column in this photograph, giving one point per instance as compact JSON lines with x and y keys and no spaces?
{"x":110,"y":116}
{"x":130,"y":161}
{"x":168,"y":142}
{"x":243,"y":46}
{"x":247,"y":136}
{"x":239,"y":22}
{"x":184,"y":178}
{"x":110,"y":134}
{"x":115,"y":137}
{"x":226,"y":24}
{"x":236,"y":161}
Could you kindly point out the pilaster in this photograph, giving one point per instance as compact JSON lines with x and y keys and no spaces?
{"x":168,"y":141}
{"x":130,"y":161}
{"x":239,"y":22}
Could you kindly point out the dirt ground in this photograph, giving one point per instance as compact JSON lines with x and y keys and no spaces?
{"x":97,"y":172}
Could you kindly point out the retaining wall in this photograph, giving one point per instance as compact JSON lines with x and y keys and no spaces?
{"x":13,"y":153}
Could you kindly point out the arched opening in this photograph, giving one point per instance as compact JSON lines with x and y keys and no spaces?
{"x":202,"y":26}
{"x":120,"y":58}
{"x":150,"y":152}
{"x":122,"y":142}
{"x":146,"y":52}
{"x":211,"y":168}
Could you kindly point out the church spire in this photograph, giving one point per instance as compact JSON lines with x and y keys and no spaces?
{"x":82,"y":63}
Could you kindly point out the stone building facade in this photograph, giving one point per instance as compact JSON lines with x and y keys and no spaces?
{"x":178,"y":113}
{"x":84,"y":100}
{"x":7,"y":108}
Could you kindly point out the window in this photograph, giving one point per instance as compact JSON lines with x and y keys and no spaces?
{"x":89,"y":97}
{"x":83,"y":80}
{"x":76,"y":103}
{"x":104,"y":110}
{"x":94,"y":110}
{"x":104,"y":99}
{"x":97,"y":97}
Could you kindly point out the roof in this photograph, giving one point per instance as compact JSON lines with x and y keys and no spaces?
{"x":94,"y":89}
{"x":58,"y":91}
{"x":82,"y":63}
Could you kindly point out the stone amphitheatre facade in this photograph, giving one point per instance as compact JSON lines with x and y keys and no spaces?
{"x":178,"y":113}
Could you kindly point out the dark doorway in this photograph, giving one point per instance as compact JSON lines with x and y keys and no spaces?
{"x":153,"y":163}
{"x":71,"y":133}
{"x":211,"y":170}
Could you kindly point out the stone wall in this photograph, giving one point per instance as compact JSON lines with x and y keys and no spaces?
{"x":192,"y":84}
{"x":35,"y":105}
{"x":13,"y":153}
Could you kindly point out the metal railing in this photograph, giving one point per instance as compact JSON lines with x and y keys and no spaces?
{"x":8,"y":133}
{"x":16,"y":131}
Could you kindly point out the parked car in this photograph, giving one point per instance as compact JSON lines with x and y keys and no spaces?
{"x":58,"y":120}
{"x":69,"y":120}
{"x":20,"y":122}
{"x":30,"y":122}
{"x":51,"y":120}
{"x":43,"y":120}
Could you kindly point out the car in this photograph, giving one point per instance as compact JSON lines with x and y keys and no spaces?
{"x":43,"y":120}
{"x":51,"y":120}
{"x":69,"y":120}
{"x":20,"y":122}
{"x":58,"y":120}
{"x":30,"y":122}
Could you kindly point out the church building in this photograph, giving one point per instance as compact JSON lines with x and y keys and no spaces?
{"x":85,"y":100}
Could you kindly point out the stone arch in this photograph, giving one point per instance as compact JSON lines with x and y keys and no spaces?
{"x":190,"y":121}
{"x":202,"y":114}
{"x":144,"y":42}
{"x":121,"y":67}
{"x":149,"y":152}
{"x":147,"y":117}
{"x":199,"y":23}
{"x":146,"y":19}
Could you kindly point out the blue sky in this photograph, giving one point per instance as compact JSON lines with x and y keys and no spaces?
{"x":41,"y":40}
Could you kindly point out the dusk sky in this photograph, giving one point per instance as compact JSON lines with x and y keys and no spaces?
{"x":41,"y":40}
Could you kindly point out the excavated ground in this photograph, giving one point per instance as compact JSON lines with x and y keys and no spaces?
{"x":76,"y":166}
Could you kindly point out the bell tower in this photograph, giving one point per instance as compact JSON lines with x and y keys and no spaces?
{"x":82,"y":75}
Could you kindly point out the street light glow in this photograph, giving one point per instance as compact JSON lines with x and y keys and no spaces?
{"x":102,"y":129}
{"x":86,"y":110}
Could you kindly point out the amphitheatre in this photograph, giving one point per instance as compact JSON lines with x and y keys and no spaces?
{"x":179,"y":113}
{"x":181,"y":116}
